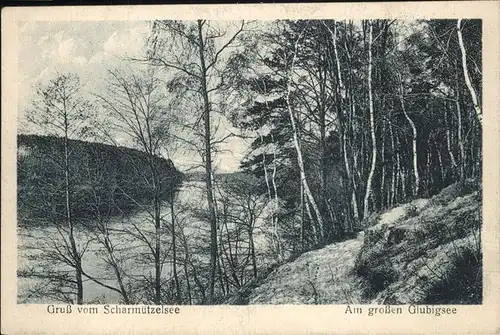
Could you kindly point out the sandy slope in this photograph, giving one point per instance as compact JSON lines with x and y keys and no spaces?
{"x":425,"y":251}
{"x":317,"y":277}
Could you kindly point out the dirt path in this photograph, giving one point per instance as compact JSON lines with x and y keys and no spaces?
{"x":321,"y":276}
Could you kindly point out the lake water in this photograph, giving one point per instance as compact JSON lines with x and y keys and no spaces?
{"x":127,"y":248}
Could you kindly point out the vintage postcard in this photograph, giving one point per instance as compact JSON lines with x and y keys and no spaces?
{"x":255,"y":169}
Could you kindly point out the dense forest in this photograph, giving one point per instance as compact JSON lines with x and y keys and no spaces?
{"x":104,"y":179}
{"x":344,"y":119}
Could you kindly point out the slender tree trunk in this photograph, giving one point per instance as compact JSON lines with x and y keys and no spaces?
{"x":448,"y":145}
{"x":382,"y":181}
{"x":463,"y":157}
{"x":311,"y":219}
{"x":76,"y":257}
{"x":414,"y":139}
{"x":368,"y":192}
{"x":232,"y":258}
{"x":114,"y":263}
{"x":276,"y":206}
{"x":300,"y":160}
{"x":353,"y":130}
{"x":302,"y":218}
{"x":440,"y":159}
{"x":476,"y":157}
{"x":429,"y":174}
{"x":188,"y":283}
{"x":354,"y":198}
{"x":349,"y":176}
{"x":354,"y":204}
{"x":403,"y":184}
{"x":208,"y":163}
{"x":188,"y":261}
{"x":252,"y":251}
{"x":337,"y":61}
{"x":223,"y":252}
{"x":274,"y":219}
{"x":392,"y":190}
{"x":174,"y":247}
{"x":157,"y":224}
{"x":226,"y":277}
{"x":323,"y":168}
{"x":275,"y":191}
{"x":222,"y":255}
{"x":343,"y":96}
{"x":219,"y":271}
{"x":264,"y":167}
{"x":119,"y":279}
{"x":400,"y":174}
{"x":157,"y":256}
{"x":468,"y":81}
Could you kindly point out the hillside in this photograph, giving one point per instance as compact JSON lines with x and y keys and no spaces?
{"x":426,"y":251}
{"x":112,"y":179}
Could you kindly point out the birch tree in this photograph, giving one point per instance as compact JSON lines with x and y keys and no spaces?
{"x":368,"y":192}
{"x":197,"y":54}
{"x":296,"y":142}
{"x":342,"y":92}
{"x":468,"y":81}
{"x":414,"y":136}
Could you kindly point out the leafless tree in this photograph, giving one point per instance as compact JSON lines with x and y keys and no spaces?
{"x":138,"y":107}
{"x":60,"y":110}
{"x":197,"y":52}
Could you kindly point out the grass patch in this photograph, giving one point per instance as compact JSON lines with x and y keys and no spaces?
{"x":377,"y":276}
{"x":437,"y":242}
{"x":462,"y":284}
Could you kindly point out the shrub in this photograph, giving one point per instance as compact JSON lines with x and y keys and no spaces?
{"x":458,"y":189}
{"x":397,"y":235}
{"x":377,"y":276}
{"x":466,"y":223}
{"x":374,"y":235}
{"x":411,"y":211}
{"x":462,"y":284}
{"x":373,"y":265}
{"x":434,"y":229}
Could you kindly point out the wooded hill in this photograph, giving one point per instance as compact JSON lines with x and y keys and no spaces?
{"x":105,"y":179}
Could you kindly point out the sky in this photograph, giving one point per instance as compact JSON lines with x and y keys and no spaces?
{"x":89,"y":49}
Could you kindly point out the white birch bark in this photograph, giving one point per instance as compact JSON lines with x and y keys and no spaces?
{"x":459,"y":130}
{"x":414,"y":138}
{"x":343,"y":94}
{"x":372,"y":126}
{"x":275,"y":207}
{"x":268,"y":186}
{"x":441,"y":168}
{"x":393,"y":168}
{"x":296,"y":142}
{"x":265,"y":169}
{"x":468,"y":80}
{"x":448,"y":146}
{"x":276,"y":204}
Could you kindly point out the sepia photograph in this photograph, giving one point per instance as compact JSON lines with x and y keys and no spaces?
{"x":289,"y":161}
{"x":226,"y":162}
